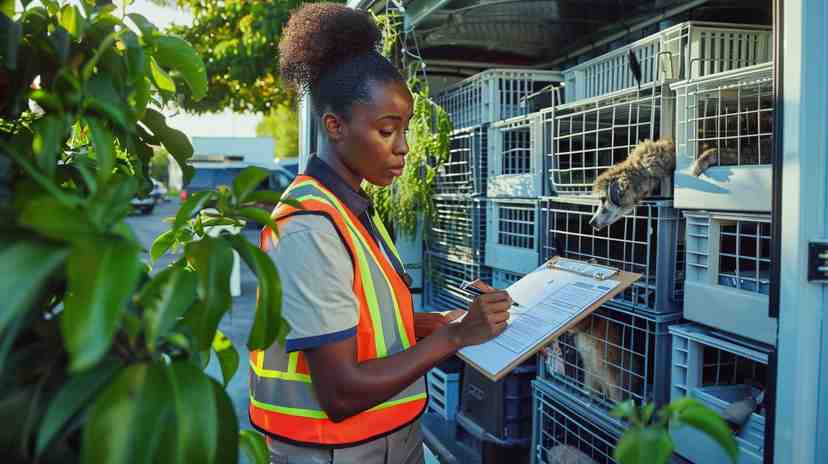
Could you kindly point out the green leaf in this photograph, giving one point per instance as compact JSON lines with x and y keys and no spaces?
{"x":165,"y":299}
{"x":176,"y":53}
{"x":227,"y":445}
{"x":625,"y":410}
{"x":139,"y":98}
{"x":72,"y":397}
{"x":102,"y":140}
{"x":192,"y":205}
{"x":195,"y":408}
{"x":247,"y":181}
{"x":73,"y":21}
{"x":48,"y":216}
{"x":7,"y":8}
{"x":48,"y":140}
{"x":13,"y":35}
{"x":254,"y":446}
{"x":136,"y":60}
{"x":124,"y":424}
{"x":290,"y":201}
{"x":161,"y":244}
{"x":24,"y":267}
{"x":227,"y":355}
{"x":102,"y":274}
{"x":176,"y":142}
{"x":111,"y":203}
{"x":110,"y":111}
{"x":213,"y":260}
{"x":647,"y":413}
{"x":709,"y":422}
{"x":148,"y":30}
{"x":160,"y":77}
{"x":258,"y":215}
{"x":265,"y":196}
{"x":268,"y":325}
{"x":47,"y":101}
{"x":105,"y":45}
{"x":639,"y":445}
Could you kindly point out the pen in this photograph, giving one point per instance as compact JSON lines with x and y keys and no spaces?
{"x":468,"y":286}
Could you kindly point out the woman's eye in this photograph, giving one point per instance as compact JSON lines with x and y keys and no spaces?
{"x":386,"y":132}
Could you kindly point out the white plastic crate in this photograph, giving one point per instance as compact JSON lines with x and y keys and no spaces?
{"x":684,"y":51}
{"x":717,"y":370}
{"x":459,"y":227}
{"x":445,"y":274}
{"x":502,"y":279}
{"x":515,"y":158}
{"x":512,"y":238}
{"x":443,"y":392}
{"x":649,"y":241}
{"x":613,"y":356}
{"x":583,"y":139}
{"x":564,"y":432}
{"x":495,"y":94}
{"x":728,"y":273}
{"x":732,"y":112}
{"x":464,"y":173}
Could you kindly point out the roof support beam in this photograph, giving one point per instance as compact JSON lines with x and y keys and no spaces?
{"x":418,"y":10}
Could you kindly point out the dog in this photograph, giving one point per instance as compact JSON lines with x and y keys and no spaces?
{"x":750,"y":155}
{"x":592,"y":354}
{"x":621,"y":187}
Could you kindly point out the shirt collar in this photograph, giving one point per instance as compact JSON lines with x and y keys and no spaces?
{"x":357,"y":201}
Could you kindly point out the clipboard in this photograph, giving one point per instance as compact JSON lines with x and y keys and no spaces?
{"x":624,"y":279}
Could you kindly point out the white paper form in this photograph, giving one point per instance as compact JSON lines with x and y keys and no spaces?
{"x":549,"y":300}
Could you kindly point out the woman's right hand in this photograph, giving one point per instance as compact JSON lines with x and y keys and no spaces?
{"x":486,"y":319}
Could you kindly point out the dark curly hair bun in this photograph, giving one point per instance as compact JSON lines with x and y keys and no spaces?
{"x":321,"y":36}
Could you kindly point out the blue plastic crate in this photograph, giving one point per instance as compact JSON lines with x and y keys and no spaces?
{"x":504,"y":408}
{"x":443,"y":392}
{"x":479,"y":446}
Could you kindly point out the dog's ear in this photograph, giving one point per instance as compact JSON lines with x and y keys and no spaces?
{"x":614,"y":193}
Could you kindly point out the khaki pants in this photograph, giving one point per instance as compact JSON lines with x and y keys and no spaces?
{"x":404,"y":446}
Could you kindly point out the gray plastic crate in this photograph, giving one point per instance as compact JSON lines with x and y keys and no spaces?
{"x":445,"y":274}
{"x":649,"y":241}
{"x":459,"y":227}
{"x":494,"y":95}
{"x":515,"y":158}
{"x":563,"y":431}
{"x":464,"y":173}
{"x":582,"y":139}
{"x":717,"y":369}
{"x":734,"y":113}
{"x":728,"y":273}
{"x":702,"y":48}
{"x":633,"y":359}
{"x":513,"y":229}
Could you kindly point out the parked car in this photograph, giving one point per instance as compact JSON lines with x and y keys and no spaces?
{"x":146,"y":204}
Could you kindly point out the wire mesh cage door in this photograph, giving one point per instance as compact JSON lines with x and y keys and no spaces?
{"x":587,"y":138}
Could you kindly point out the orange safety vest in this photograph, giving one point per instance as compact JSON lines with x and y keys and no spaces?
{"x":283,"y":403}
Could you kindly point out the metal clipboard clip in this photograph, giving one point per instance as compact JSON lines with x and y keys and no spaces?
{"x":594,"y":271}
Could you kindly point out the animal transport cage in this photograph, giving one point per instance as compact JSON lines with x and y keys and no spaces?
{"x":731,"y":113}
{"x":684,"y":51}
{"x":728,"y":273}
{"x":502,"y":279}
{"x":464,"y":173}
{"x":512,"y":241}
{"x":445,"y":274}
{"x":564,"y":432}
{"x":496,"y":94}
{"x":515,"y":158}
{"x":459,"y":227}
{"x":718,"y":370}
{"x":648,"y":241}
{"x":583,"y":139}
{"x":612,"y":356}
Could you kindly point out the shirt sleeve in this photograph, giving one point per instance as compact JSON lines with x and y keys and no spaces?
{"x":317,"y":275}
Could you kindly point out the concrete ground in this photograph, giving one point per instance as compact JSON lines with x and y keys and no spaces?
{"x":236,"y":323}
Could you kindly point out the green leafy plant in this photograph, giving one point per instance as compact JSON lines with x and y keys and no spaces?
{"x":648,"y":441}
{"x":101,"y":357}
{"x":410,"y":196}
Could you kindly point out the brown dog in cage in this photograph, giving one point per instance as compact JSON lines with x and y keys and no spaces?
{"x":621,"y":187}
{"x":609,"y":369}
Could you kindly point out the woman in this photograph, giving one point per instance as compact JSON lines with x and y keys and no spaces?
{"x":347,"y":386}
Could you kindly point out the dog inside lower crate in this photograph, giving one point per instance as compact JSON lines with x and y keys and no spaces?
{"x":601,"y":356}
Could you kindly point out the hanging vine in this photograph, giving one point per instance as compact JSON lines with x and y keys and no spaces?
{"x":428,"y":138}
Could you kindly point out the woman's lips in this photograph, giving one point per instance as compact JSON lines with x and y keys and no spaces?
{"x":396,"y":171}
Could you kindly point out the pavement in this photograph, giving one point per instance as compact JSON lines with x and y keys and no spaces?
{"x":236,"y":323}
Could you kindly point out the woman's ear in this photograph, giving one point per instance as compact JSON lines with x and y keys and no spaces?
{"x":334,"y":126}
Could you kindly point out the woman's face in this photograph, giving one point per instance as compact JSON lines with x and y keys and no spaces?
{"x":373,"y":142}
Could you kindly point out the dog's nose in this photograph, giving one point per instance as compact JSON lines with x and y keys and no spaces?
{"x":595,"y":225}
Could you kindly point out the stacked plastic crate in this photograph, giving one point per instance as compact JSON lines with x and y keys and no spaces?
{"x":486,"y":227}
{"x":725,"y":142}
{"x":623,"y":351}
